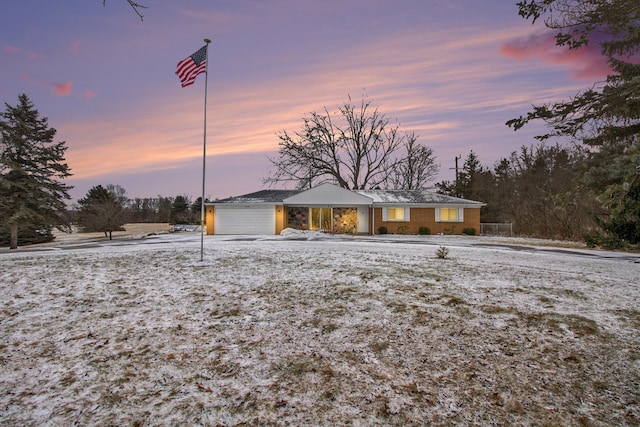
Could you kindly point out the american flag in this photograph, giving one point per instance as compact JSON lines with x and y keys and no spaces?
{"x":190,"y":67}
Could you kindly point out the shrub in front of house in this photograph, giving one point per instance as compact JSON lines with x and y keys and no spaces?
{"x":382,"y":230}
{"x":403,"y":229}
{"x":424,"y":231}
{"x":469,"y":231}
{"x":442,"y":252}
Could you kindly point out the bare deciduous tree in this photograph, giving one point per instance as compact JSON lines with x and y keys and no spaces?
{"x":356,"y":148}
{"x":416,"y":169}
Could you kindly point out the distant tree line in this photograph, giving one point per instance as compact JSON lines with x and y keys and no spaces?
{"x":106,"y":209}
{"x":538,"y":189}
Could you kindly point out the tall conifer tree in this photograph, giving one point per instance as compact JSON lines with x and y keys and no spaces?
{"x":32,"y":167}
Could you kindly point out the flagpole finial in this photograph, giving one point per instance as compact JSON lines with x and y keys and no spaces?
{"x":207,"y":41}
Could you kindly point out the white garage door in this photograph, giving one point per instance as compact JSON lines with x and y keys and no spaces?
{"x":245,"y":220}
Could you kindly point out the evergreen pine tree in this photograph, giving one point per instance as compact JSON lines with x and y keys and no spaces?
{"x":32,"y":166}
{"x":180,"y":213}
{"x":103,"y":209}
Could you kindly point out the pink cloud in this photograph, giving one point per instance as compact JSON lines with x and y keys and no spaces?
{"x":11,"y":49}
{"x":34,"y":55}
{"x":89,"y":94}
{"x":61,"y":89}
{"x":31,"y":54}
{"x":75,"y":47}
{"x":585,"y":63}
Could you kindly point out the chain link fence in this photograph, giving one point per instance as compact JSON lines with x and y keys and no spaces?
{"x":496,"y":229}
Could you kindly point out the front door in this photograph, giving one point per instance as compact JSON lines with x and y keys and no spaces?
{"x":320,"y":219}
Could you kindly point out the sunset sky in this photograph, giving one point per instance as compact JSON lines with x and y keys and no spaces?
{"x":452,"y":71}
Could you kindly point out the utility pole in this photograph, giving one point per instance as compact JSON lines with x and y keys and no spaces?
{"x":456,"y":168}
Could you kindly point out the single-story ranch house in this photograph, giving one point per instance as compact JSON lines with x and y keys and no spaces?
{"x":331,"y":208}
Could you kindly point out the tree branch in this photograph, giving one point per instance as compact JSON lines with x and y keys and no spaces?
{"x":134,"y":5}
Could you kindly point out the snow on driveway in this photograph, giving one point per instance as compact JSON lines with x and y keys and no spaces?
{"x":308,"y":329}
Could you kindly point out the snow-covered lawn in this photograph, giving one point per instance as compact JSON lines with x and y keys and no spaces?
{"x":318,"y":330}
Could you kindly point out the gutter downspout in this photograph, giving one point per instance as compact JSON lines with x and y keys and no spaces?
{"x":372,"y":220}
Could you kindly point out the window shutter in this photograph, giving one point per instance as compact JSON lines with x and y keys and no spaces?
{"x":385,"y":214}
{"x":460,"y":214}
{"x":407,"y":214}
{"x":437,"y":214}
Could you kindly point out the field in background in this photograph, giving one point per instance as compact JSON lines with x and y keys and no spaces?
{"x":130,"y":230}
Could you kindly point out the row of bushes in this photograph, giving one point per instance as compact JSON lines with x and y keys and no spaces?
{"x":423,"y":231}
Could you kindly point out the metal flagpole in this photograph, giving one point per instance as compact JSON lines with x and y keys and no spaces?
{"x":204,"y":153}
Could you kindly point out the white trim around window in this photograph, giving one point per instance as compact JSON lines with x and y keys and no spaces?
{"x":396,"y":214}
{"x":449,"y":214}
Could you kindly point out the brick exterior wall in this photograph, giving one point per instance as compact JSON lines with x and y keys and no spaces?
{"x":345,"y":221}
{"x":426,"y":217}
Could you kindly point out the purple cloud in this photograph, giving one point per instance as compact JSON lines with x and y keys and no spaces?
{"x":585,"y":63}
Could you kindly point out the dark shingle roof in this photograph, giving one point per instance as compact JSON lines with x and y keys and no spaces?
{"x":377,"y":196}
{"x":262,"y":196}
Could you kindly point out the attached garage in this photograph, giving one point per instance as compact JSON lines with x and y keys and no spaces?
{"x":259,"y":213}
{"x":245,"y":220}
